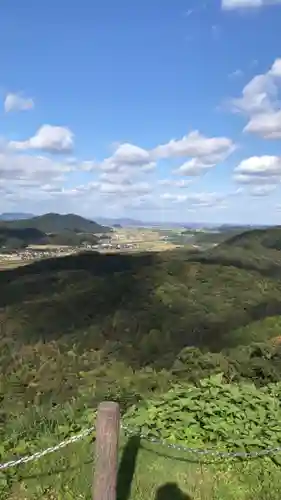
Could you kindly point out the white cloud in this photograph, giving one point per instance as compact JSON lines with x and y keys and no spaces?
{"x":173,"y":198}
{"x":123,"y":171}
{"x":48,"y":138}
{"x":242,"y":4}
{"x":115,"y":178}
{"x":194,"y":167}
{"x":266,"y":125}
{"x":262,"y":190}
{"x":260,"y":103}
{"x":174,"y":183}
{"x":32,"y":178}
{"x":124,"y":189}
{"x":149,"y":167}
{"x":195,"y":145}
{"x":170,"y":202}
{"x":88,"y":165}
{"x":116,"y":181}
{"x":275,"y":70}
{"x":130,"y":160}
{"x":262,"y":172}
{"x":23,"y":180}
{"x":257,"y":96}
{"x":27,"y":176}
{"x":260,"y":165}
{"x":142,"y":202}
{"x":17,"y":102}
{"x":249,"y":179}
{"x":128,"y":156}
{"x":206,"y":199}
{"x":195,"y":200}
{"x":107,"y":189}
{"x":25,"y":167}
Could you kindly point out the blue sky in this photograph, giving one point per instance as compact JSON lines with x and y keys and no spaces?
{"x":155,"y":109}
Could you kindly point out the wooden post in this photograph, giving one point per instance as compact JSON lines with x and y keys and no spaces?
{"x":106,"y":463}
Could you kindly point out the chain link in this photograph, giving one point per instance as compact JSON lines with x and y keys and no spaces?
{"x":47,"y":451}
{"x":218,"y":453}
{"x":154,"y":441}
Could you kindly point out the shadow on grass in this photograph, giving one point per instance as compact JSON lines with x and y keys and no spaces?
{"x":127,"y":468}
{"x":171,"y":491}
{"x":125,"y":471}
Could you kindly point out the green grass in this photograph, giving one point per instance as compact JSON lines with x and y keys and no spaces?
{"x":145,"y":472}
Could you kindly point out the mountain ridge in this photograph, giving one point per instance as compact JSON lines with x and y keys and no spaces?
{"x":52,"y":228}
{"x":54,"y":223}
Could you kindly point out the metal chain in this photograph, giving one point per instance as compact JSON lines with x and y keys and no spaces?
{"x":154,"y":441}
{"x":47,"y":451}
{"x":222,"y":454}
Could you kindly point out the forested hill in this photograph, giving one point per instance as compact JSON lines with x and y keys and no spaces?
{"x":267,"y":238}
{"x":145,"y":308}
{"x":13,"y":238}
{"x":255,"y":250}
{"x":56,"y":223}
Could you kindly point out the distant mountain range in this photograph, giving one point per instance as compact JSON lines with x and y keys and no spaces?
{"x":124,"y":222}
{"x":129,"y":222}
{"x":15,"y":216}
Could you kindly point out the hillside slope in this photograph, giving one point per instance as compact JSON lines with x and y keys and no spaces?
{"x":256,"y":250}
{"x":267,"y":238}
{"x":19,"y":238}
{"x":147,"y":306}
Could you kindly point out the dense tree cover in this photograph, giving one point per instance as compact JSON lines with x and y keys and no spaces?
{"x":72,"y":238}
{"x":55,"y":223}
{"x":55,"y":229}
{"x":19,"y":238}
{"x":179,"y":314}
{"x":15,"y":239}
{"x":149,"y":305}
{"x":256,"y":238}
{"x":159,"y":303}
{"x":266,"y":262}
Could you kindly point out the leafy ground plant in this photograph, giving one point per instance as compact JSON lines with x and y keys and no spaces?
{"x":213,"y":414}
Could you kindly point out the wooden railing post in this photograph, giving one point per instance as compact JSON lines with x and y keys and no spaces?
{"x":106,"y":460}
